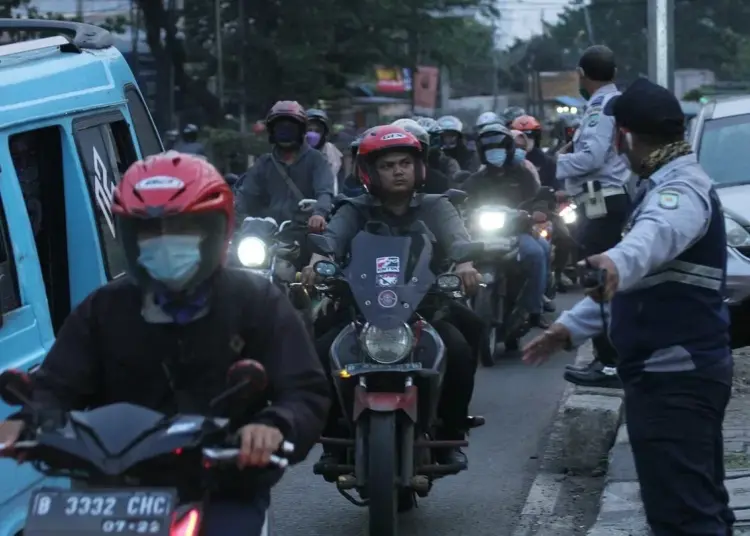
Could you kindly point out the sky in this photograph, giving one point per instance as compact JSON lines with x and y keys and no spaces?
{"x":519,"y":18}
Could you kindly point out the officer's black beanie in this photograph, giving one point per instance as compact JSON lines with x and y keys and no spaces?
{"x":598,"y":63}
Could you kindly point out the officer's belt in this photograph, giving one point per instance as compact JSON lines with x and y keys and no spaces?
{"x":686,"y":273}
{"x":607,"y":191}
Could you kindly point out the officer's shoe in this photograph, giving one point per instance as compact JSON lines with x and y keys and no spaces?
{"x":536,"y":320}
{"x":549,"y":305}
{"x":585,"y":367}
{"x":594,"y":377}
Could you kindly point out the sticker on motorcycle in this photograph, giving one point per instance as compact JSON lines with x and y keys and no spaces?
{"x":394,"y":136}
{"x":387,"y":280}
{"x":387,"y":265}
{"x":160,"y":183}
{"x":387,"y":299}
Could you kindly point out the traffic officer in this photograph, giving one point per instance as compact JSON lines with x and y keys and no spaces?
{"x":668,"y":321}
{"x":595,"y":177}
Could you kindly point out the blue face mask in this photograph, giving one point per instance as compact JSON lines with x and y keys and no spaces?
{"x":519,"y":155}
{"x":496,"y":157}
{"x":171,"y":259}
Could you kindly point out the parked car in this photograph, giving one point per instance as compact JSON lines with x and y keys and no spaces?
{"x":721,"y":139}
{"x":72,"y":120}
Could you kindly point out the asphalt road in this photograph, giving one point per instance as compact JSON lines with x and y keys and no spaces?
{"x":518,"y":402}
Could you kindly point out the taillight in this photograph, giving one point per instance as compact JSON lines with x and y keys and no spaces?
{"x":188,"y":525}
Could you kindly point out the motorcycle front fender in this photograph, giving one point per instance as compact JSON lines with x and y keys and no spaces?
{"x":365,"y":400}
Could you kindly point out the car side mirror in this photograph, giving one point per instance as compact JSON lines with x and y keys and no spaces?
{"x":245,"y":380}
{"x":16,"y":388}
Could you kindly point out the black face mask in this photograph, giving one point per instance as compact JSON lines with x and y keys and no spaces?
{"x":286,"y":133}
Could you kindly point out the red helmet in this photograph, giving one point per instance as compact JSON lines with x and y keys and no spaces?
{"x":379,"y":140}
{"x":174,"y":194}
{"x":526,"y":123}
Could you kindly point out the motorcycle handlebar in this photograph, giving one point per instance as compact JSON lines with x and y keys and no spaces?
{"x":231,"y":454}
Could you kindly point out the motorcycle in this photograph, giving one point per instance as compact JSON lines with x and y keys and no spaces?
{"x":134,"y":470}
{"x":270,"y":250}
{"x":388,"y":364}
{"x":568,"y":212}
{"x":496,"y":301}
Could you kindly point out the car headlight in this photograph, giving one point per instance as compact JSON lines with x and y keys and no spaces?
{"x":568,"y":214}
{"x":737,"y":236}
{"x":387,"y":346}
{"x":251,"y":251}
{"x":491,"y":220}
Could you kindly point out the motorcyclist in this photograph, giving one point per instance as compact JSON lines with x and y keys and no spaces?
{"x":564,"y":131}
{"x":454,"y":143}
{"x":292,"y":171}
{"x":351,"y":186}
{"x":318,"y":132}
{"x":390,"y":164}
{"x":170,"y":138}
{"x":436,"y":158}
{"x":522,"y":142}
{"x":436,"y":182}
{"x":165,"y":336}
{"x":506,"y":180}
{"x":511,"y":113}
{"x":189,"y":143}
{"x":484,"y":119}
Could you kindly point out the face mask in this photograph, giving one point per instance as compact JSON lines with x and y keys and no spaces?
{"x":286,"y":133}
{"x":530,"y":146}
{"x":519,"y":155}
{"x":450,"y":142}
{"x":171,"y":259}
{"x":496,"y":157}
{"x":313,"y":138}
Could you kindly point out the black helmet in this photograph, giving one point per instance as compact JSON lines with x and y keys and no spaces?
{"x":512,"y":113}
{"x":314,"y":114}
{"x":494,"y":139}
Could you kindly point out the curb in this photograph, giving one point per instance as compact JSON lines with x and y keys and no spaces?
{"x":581,"y":434}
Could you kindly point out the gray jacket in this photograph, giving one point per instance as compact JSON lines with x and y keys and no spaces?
{"x":263,"y":192}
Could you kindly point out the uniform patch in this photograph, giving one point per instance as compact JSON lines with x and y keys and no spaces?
{"x":593,"y":120}
{"x":387,"y":280}
{"x":387,"y":299}
{"x":669,"y":200}
{"x":387,"y":265}
{"x":597,"y":101}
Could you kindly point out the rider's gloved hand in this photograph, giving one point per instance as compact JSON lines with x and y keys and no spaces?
{"x":259,"y":441}
{"x":316,"y":224}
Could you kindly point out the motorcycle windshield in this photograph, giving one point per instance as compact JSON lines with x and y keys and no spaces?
{"x":389,"y":276}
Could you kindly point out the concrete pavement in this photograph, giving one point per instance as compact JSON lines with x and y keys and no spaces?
{"x":519,"y":403}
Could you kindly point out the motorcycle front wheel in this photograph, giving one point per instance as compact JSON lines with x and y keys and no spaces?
{"x":382,"y":491}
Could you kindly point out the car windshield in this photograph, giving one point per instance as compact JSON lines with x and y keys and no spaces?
{"x":722,"y":144}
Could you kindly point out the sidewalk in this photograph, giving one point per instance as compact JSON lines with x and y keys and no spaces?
{"x":621,"y":512}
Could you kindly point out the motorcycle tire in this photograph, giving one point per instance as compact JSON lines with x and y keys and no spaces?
{"x":382,"y":491}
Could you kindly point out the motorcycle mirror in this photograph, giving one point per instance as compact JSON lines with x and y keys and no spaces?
{"x":326,"y":268}
{"x":245,"y":379}
{"x":16,"y":388}
{"x":320,"y":244}
{"x":466,"y":251}
{"x":456,"y":197}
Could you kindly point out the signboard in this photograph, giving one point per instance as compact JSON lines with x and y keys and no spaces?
{"x":426,"y":90}
{"x":392,"y":80}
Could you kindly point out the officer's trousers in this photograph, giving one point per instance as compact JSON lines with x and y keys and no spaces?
{"x":597,"y":236}
{"x":675,"y":426}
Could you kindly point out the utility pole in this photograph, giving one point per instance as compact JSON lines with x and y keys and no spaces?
{"x":661,"y":42}
{"x":219,"y":53}
{"x":243,"y":87}
{"x":589,"y":26}
{"x":79,"y":9}
{"x":495,"y":66}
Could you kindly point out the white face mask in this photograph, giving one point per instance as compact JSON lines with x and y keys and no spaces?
{"x":530,"y":145}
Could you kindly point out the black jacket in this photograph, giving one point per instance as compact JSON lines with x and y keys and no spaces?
{"x":466,"y":158}
{"x":547,"y":168}
{"x":436,"y":182}
{"x":509,"y":185}
{"x":106,"y":352}
{"x":439,"y":160}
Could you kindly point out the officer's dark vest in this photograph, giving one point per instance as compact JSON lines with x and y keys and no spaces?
{"x":676,"y":320}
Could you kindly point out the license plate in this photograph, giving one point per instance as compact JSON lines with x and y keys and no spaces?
{"x":361,"y":368}
{"x":64,"y":512}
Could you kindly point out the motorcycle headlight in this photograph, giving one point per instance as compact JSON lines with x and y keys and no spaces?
{"x":737,"y":236}
{"x":251,"y":252}
{"x":490,"y":220}
{"x":568,"y":214}
{"x":387,"y":346}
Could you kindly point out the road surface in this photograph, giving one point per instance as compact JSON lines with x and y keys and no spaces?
{"x":518,"y":402}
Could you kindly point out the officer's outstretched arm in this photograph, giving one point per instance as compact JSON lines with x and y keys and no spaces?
{"x":592,"y":148}
{"x":673,"y":217}
{"x":584,"y":320}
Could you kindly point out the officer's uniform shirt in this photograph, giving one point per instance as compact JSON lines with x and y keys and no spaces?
{"x":668,"y":314}
{"x":593,"y":157}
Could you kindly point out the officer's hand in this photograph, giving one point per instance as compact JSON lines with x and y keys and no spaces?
{"x":542,"y":347}
{"x":258,"y":443}
{"x":603,"y":262}
{"x":539,"y":216}
{"x":316,"y":224}
{"x":308,"y":276}
{"x":469,"y":276}
{"x":10,"y":431}
{"x":565,"y":149}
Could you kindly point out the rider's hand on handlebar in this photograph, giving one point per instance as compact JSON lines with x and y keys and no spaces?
{"x":308,"y":276}
{"x":10,"y":431}
{"x":316,"y":224}
{"x":539,"y":216}
{"x":469,"y":276}
{"x":258,"y":443}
